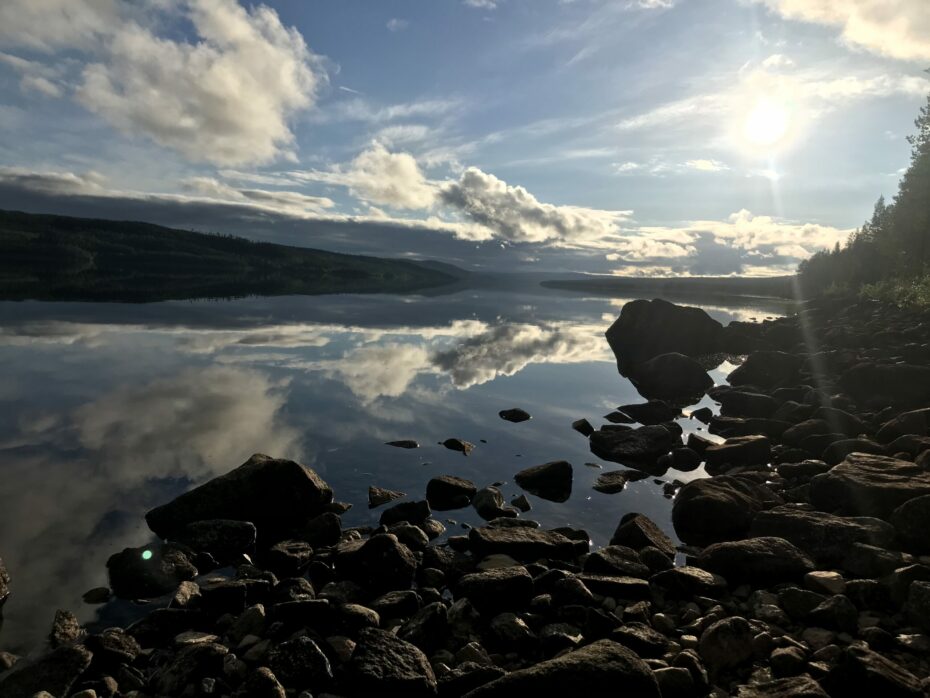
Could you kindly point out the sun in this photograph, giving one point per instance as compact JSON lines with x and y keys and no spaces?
{"x":767,"y":123}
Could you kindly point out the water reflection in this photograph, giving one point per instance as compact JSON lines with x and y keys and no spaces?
{"x":108,"y":410}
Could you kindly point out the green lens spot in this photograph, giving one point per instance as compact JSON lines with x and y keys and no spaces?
{"x":146,"y":554}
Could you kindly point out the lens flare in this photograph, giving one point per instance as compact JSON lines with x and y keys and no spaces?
{"x":767,"y":123}
{"x":146,"y":554}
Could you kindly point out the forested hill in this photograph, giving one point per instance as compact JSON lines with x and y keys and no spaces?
{"x":61,"y":258}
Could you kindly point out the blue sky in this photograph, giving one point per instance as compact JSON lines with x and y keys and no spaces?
{"x":610,"y":136}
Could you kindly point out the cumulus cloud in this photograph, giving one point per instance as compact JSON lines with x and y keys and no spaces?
{"x":46,"y":25}
{"x":515,"y":215}
{"x":895,"y":28}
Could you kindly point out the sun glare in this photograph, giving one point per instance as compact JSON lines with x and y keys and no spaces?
{"x":767,"y":123}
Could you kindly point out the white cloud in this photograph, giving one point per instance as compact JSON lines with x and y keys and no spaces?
{"x":777,"y":60}
{"x":896,"y":28}
{"x":395,"y":24}
{"x":481,"y":4}
{"x":36,"y":76}
{"x":704,"y":165}
{"x":49,"y":24}
{"x":285,"y":201}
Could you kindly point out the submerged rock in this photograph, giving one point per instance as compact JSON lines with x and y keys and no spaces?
{"x":552,"y":481}
{"x":275,"y":494}
{"x":379,"y":495}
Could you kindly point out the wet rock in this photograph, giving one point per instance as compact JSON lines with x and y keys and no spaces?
{"x":300,"y":663}
{"x":703,"y":414}
{"x":687,"y":582}
{"x":793,"y":687}
{"x":137,"y":573}
{"x":382,"y":562}
{"x":189,"y":666}
{"x":509,"y":588}
{"x":54,"y":673}
{"x":412,"y":512}
{"x":911,"y":522}
{"x":552,"y":481}
{"x":869,"y":485}
{"x":633,"y":446}
{"x":718,"y":509}
{"x":864,"y":560}
{"x":740,"y":450}
{"x":726,"y":643}
{"x":448,"y":492}
{"x":276,"y":495}
{"x":65,"y":629}
{"x":608,"y":668}
{"x":403,"y":443}
{"x":646,"y":329}
{"x":378,"y":496}
{"x":651,"y":412}
{"x":385,"y":665}
{"x":670,"y":376}
{"x":618,"y":560}
{"x":615,"y":481}
{"x":489,"y":503}
{"x":525,"y":544}
{"x":515,"y":414}
{"x":862,"y":672}
{"x":825,"y":537}
{"x":464,"y":447}
{"x":583,"y":426}
{"x":522,"y":503}
{"x":637,"y":531}
{"x":756,"y":561}
{"x":261,"y":683}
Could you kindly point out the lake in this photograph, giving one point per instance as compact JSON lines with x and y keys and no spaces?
{"x":107,"y":410}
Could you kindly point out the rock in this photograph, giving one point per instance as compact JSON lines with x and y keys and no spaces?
{"x":633,"y":446}
{"x":385,"y":665}
{"x":322,"y":531}
{"x":637,"y":531}
{"x":913,"y":422}
{"x":615,"y":481}
{"x":489,"y":503}
{"x":527,"y":544}
{"x":718,"y":509}
{"x":756,"y":561}
{"x":379,"y":495}
{"x":767,"y":369}
{"x":224,"y":539}
{"x":65,"y":629}
{"x":631,"y":588}
{"x":511,"y":633}
{"x":787,"y":661}
{"x":824,"y":582}
{"x":522,"y":503}
{"x":427,"y":628}
{"x":403,"y":443}
{"x":191,"y":664}
{"x":736,"y":402}
{"x":840,"y":420}
{"x":300,"y":663}
{"x":675,"y":682}
{"x":864,"y":560}
{"x":671,"y":376}
{"x":382,"y":562}
{"x":703,"y":414}
{"x":686,"y":582}
{"x":97,"y":595}
{"x":836,"y":613}
{"x":463,"y":447}
{"x":261,"y":683}
{"x":726,"y":643}
{"x":917,"y":606}
{"x":552,"y":481}
{"x":740,"y":450}
{"x":642,"y":639}
{"x":137,"y":573}
{"x":616,"y":560}
{"x":646,"y":329}
{"x":54,"y":673}
{"x":412,"y":512}
{"x":508,"y":588}
{"x":825,"y":537}
{"x":651,"y":412}
{"x":793,"y":687}
{"x":515,"y":414}
{"x":837,"y":451}
{"x":869,"y":485}
{"x":685,"y":459}
{"x":608,"y":669}
{"x":4,"y":583}
{"x":911,"y":522}
{"x":289,"y":558}
{"x":448,"y":492}
{"x":902,"y":384}
{"x":804,"y":430}
{"x":583,"y":427}
{"x":276,"y":495}
{"x":862,"y":672}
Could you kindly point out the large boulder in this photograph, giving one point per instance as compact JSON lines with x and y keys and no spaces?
{"x":718,"y":509}
{"x":646,"y":329}
{"x":826,"y":537}
{"x":54,"y":673}
{"x":523,"y":543}
{"x":911,"y":521}
{"x":222,"y":538}
{"x":652,"y":412}
{"x":602,"y":669}
{"x":275,"y":494}
{"x":869,"y":485}
{"x":767,"y":369}
{"x":764,"y":561}
{"x":138,"y":573}
{"x":382,"y":563}
{"x":384,"y":665}
{"x":552,"y":481}
{"x":862,"y":672}
{"x":913,"y":422}
{"x":726,"y":643}
{"x":670,"y":376}
{"x":634,"y":446}
{"x":902,"y":384}
{"x":637,"y":531}
{"x":507,"y":588}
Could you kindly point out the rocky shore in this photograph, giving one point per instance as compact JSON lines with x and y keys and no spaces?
{"x":804,"y":568}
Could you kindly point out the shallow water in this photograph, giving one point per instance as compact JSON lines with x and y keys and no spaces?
{"x":107,"y":410}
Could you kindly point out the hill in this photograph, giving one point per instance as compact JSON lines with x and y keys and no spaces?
{"x":45,"y":257}
{"x":772,"y":286}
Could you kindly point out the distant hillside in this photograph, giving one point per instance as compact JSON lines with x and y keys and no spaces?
{"x":61,"y":258}
{"x":773,"y":286}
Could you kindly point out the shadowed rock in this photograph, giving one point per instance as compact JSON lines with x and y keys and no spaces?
{"x":448,"y":492}
{"x":138,"y":573}
{"x":756,"y":560}
{"x":379,"y":495}
{"x":670,"y":376}
{"x":383,"y":664}
{"x":54,"y":673}
{"x":869,"y":485}
{"x":4,"y":583}
{"x":634,"y":446}
{"x":403,"y":443}
{"x":515,"y":414}
{"x":717,"y":509}
{"x":552,"y":481}
{"x":524,"y":543}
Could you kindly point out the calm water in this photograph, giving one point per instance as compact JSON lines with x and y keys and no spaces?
{"x":107,"y":410}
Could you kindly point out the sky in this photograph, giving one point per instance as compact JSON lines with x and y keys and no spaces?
{"x":629,"y":137}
